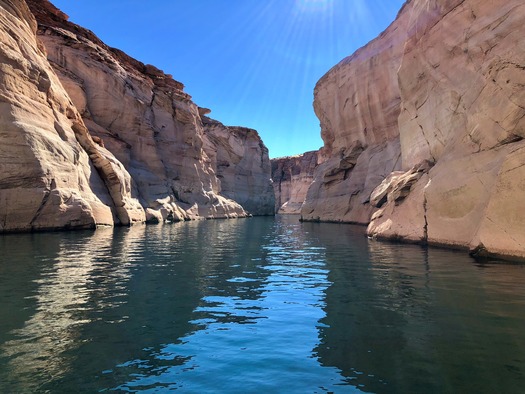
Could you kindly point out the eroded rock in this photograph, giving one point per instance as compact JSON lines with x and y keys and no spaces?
{"x":292,"y":177}
{"x":53,"y":174}
{"x":153,"y":128}
{"x":358,"y":104}
{"x":240,"y":160}
{"x":443,"y":84}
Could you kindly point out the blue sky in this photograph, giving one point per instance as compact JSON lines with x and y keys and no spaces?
{"x":254,"y":63}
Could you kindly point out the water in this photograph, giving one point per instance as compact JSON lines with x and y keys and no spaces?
{"x":257,"y":305}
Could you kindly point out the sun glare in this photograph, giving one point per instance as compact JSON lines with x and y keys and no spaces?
{"x":313,"y":5}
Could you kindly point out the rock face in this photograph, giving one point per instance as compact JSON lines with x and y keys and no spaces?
{"x":449,"y":110}
{"x":53,"y":174}
{"x":142,"y":116}
{"x":240,"y":160}
{"x":358,"y":104}
{"x":92,"y":136}
{"x":292,"y":177}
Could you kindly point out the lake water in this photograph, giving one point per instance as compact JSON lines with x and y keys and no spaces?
{"x":258,"y":305}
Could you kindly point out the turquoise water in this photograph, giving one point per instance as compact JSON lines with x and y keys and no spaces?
{"x":258,"y":305}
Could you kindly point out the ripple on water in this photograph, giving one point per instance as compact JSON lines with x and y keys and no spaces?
{"x":258,"y":305}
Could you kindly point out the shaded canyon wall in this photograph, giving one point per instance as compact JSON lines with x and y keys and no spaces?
{"x":292,"y":177}
{"x":426,"y":123}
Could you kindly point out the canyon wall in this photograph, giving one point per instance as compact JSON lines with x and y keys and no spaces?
{"x":443,"y":93}
{"x":241,"y":162}
{"x":52,"y":174}
{"x":94,"y":137}
{"x":292,"y":177}
{"x":358,"y":104}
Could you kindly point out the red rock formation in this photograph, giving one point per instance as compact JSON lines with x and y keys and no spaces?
{"x":144,"y":117}
{"x":92,"y":136}
{"x":240,"y":160}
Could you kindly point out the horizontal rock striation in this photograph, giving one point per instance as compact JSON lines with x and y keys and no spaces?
{"x":442,"y":91}
{"x":142,"y":116}
{"x":292,"y":177}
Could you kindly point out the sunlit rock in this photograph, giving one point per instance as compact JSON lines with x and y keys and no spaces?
{"x":240,"y":161}
{"x":145,"y":119}
{"x":53,"y":174}
{"x":442,"y":84}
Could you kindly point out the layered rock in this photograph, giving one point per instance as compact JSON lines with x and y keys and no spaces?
{"x":142,"y":116}
{"x":358,"y":104}
{"x":292,"y":177}
{"x":93,"y":137}
{"x":240,"y":160}
{"x":465,"y":111}
{"x":451,"y":75}
{"x":53,"y":174}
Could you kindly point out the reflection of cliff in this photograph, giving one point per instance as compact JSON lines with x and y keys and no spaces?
{"x":405,"y":319}
{"x":39,"y":347}
{"x":187,"y":279}
{"x":112,"y":303}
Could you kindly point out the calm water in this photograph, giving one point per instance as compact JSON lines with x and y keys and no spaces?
{"x":258,"y":305}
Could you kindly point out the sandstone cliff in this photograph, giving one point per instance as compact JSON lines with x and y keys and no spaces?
{"x":440,"y":95}
{"x":53,"y":174}
{"x":358,"y":104}
{"x":240,"y":160}
{"x":92,"y":136}
{"x":292,"y":176}
{"x":142,"y":116}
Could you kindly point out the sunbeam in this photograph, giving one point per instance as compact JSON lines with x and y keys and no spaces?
{"x":252,"y":63}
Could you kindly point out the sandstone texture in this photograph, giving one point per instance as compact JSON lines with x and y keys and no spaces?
{"x":440,"y":96}
{"x":240,"y":160}
{"x":53,"y":175}
{"x":358,"y":105}
{"x":93,"y":137}
{"x":292,"y":177}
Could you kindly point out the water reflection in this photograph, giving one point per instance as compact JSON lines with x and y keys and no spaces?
{"x":254,"y":305}
{"x":423,"y":320}
{"x":76,"y":279}
{"x":256,"y":323}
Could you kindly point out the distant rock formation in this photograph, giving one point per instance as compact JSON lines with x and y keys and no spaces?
{"x":93,"y":137}
{"x":292,"y":176}
{"x":427,"y":124}
{"x":240,"y":160}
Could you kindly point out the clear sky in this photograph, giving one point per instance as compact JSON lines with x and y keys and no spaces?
{"x":254,"y":63}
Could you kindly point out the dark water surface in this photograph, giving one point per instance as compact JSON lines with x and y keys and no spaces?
{"x":258,"y":305}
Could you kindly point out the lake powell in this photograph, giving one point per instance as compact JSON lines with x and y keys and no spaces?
{"x":254,"y":305}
